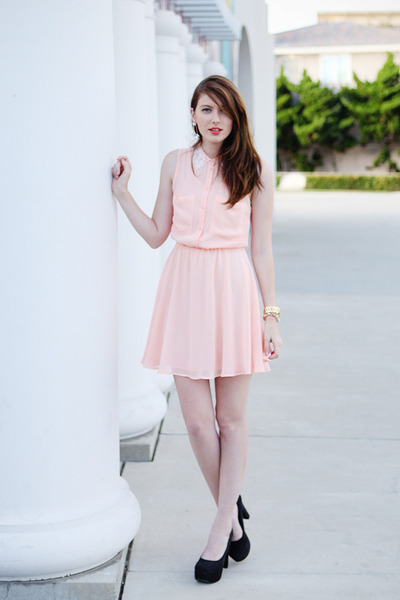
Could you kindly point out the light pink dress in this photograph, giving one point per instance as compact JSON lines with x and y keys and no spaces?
{"x":207,"y":319}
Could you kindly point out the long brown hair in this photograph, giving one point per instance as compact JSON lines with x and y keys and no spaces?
{"x":239,"y":162}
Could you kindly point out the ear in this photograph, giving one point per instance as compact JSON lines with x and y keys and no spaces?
{"x":192,"y":113}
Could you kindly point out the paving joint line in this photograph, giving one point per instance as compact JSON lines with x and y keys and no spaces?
{"x":299,"y":437}
{"x":126,"y":568}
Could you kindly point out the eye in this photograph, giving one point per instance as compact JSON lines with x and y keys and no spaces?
{"x":205,"y":109}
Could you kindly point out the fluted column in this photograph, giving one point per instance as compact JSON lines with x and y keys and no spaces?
{"x":63,"y":506}
{"x":142,"y":404}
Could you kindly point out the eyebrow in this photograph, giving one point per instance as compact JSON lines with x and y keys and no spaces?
{"x":209,"y":106}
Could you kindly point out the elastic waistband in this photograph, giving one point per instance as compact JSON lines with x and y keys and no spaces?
{"x":208,"y":249}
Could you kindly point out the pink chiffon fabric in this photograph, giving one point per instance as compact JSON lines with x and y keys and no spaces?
{"x":206,"y":320}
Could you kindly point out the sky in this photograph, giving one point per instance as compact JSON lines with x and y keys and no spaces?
{"x":292,"y":14}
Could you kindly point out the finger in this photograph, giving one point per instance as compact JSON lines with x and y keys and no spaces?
{"x":267,"y":357}
{"x":274,"y":350}
{"x":275,"y":354}
{"x":126,"y":164}
{"x":116,"y":170}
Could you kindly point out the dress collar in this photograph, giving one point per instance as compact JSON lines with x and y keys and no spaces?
{"x":200,"y":158}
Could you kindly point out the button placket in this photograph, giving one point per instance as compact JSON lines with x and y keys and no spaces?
{"x":204,"y":199}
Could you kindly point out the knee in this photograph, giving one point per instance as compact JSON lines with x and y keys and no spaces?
{"x":229,"y":426}
{"x":200,"y":429}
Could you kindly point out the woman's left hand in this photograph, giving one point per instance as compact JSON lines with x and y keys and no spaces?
{"x":121,"y":173}
{"x":272,"y":339}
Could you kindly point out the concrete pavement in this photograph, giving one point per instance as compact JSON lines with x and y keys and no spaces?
{"x":323,"y":477}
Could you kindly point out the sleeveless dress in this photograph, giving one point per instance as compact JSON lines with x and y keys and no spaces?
{"x":206,"y":321}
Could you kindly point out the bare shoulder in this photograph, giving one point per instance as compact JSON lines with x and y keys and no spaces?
{"x":267,"y":186}
{"x":266,"y":173}
{"x":169,"y":163}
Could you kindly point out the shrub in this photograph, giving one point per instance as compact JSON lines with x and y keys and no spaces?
{"x":314,"y":122}
{"x":387,"y":183}
{"x":376,"y":107}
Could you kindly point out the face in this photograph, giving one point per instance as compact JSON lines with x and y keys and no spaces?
{"x":214,"y":123}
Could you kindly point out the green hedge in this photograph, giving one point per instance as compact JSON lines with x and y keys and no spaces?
{"x":387,"y":183}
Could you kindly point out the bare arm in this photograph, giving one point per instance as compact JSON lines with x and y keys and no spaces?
{"x":262,"y":257}
{"x":154,"y":230}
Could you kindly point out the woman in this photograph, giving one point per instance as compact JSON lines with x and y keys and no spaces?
{"x":206,"y":322}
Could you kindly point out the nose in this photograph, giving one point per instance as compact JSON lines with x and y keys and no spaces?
{"x":215,"y":118}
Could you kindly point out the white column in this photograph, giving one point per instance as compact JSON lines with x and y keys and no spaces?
{"x":142,"y":404}
{"x":163,"y":382}
{"x":152,"y":94}
{"x":171,"y":87}
{"x":196,"y":57}
{"x":184,"y":40}
{"x":213,"y":66}
{"x":63,"y":506}
{"x":260,"y":63}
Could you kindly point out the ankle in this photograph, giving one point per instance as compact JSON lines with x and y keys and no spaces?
{"x":223,"y":518}
{"x":221,"y":528}
{"x":237,"y":531}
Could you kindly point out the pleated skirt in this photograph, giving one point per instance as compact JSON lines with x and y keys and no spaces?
{"x":206,"y":321}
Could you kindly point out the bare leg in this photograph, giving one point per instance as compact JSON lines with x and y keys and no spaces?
{"x":198,"y":412}
{"x":231,"y":394}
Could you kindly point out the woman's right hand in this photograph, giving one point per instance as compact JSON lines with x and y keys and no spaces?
{"x":121,"y":173}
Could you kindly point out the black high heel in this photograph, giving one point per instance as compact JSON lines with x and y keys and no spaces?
{"x":210,"y":571}
{"x":239,"y":549}
{"x":242,"y":512}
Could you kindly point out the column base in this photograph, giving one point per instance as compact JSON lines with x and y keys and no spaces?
{"x":102,"y":583}
{"x":40,"y":552}
{"x":140,"y":414}
{"x":139,"y":448}
{"x":165,"y":382}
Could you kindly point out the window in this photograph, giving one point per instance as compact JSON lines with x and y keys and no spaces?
{"x":335,"y":70}
{"x":291,"y":68}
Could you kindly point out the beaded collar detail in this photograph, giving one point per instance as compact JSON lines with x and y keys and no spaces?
{"x":200,"y":158}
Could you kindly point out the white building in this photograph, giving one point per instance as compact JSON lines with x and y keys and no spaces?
{"x":333,"y":49}
{"x":83,"y":83}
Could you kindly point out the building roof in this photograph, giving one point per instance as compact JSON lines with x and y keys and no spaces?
{"x":337,"y":34}
{"x":381,"y":18}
